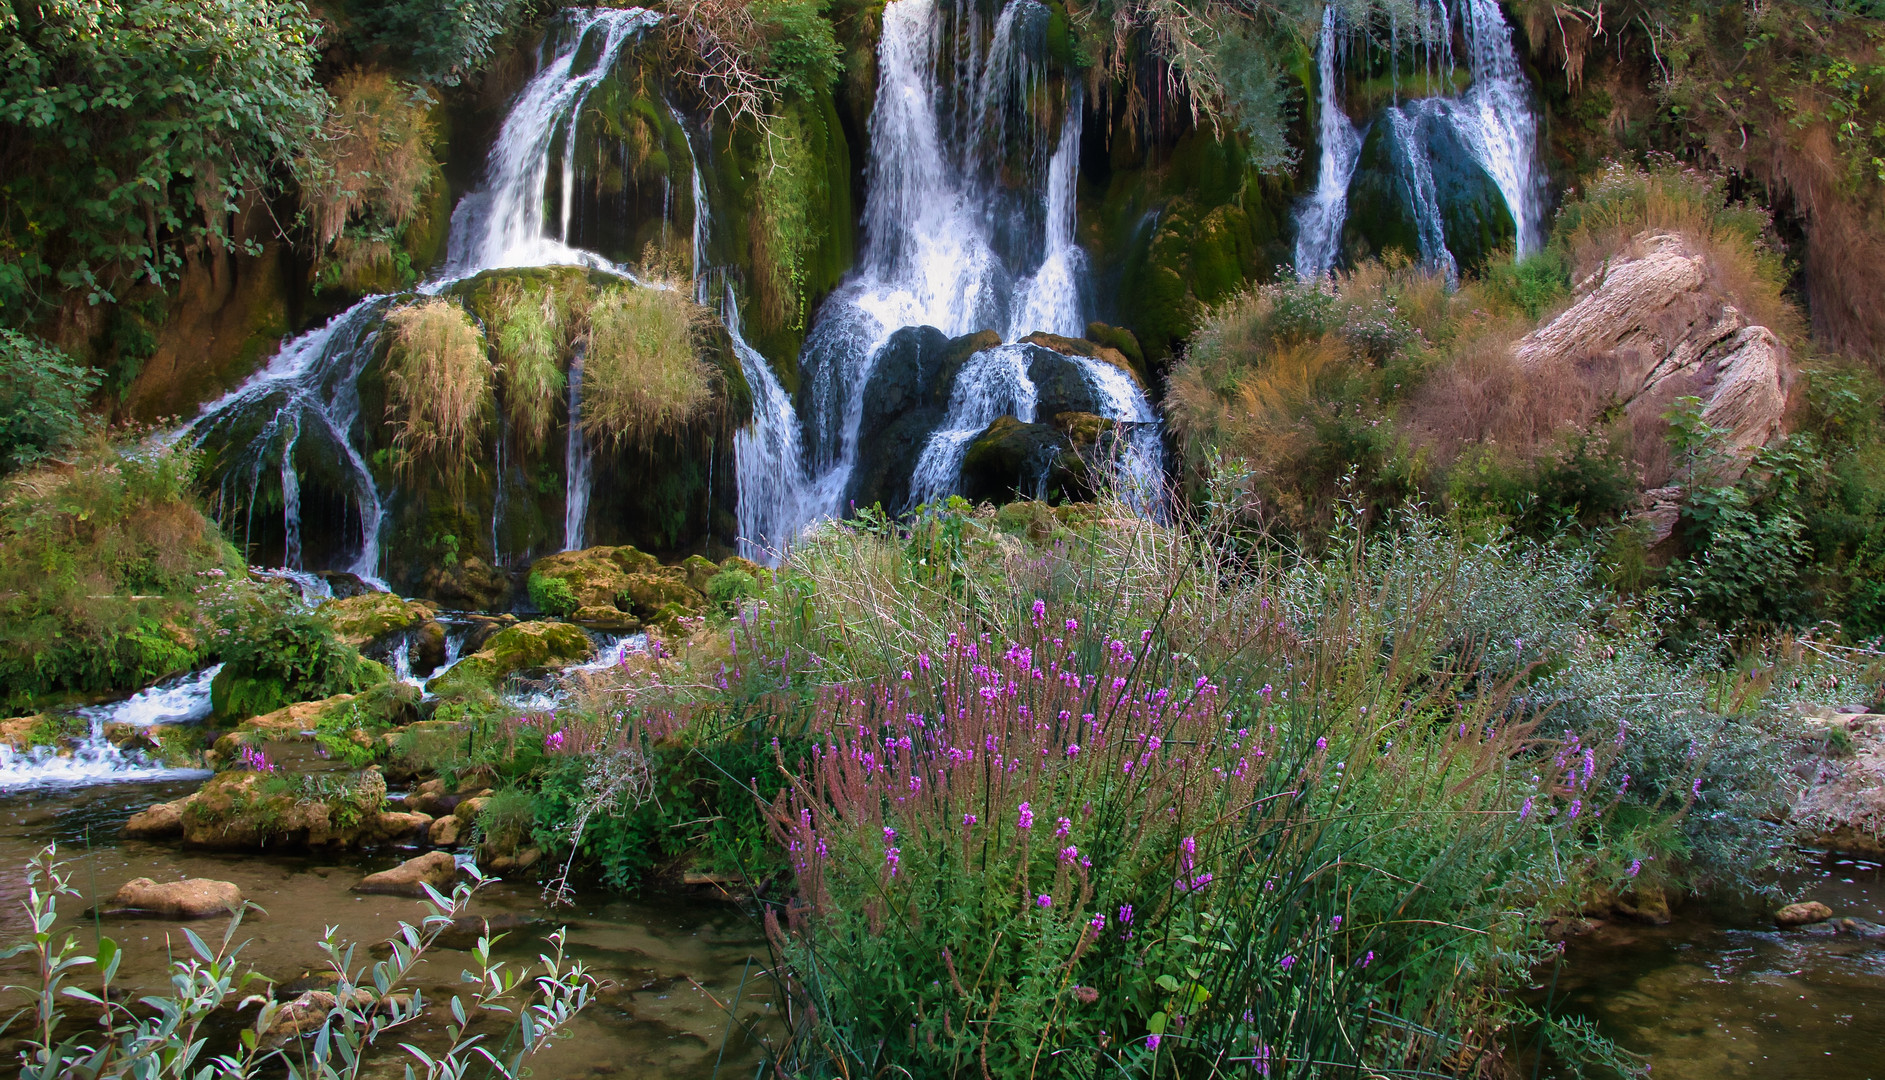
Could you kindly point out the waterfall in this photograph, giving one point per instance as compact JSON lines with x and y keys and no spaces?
{"x":577,"y":462}
{"x":1496,"y":119}
{"x":501,"y":224}
{"x":994,"y":383}
{"x":309,"y":389}
{"x":1319,"y":220}
{"x":306,"y":392}
{"x":184,"y":699}
{"x":948,"y":243}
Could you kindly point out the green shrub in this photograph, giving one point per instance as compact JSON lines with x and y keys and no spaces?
{"x":276,"y":651}
{"x":43,"y":395}
{"x":100,"y":567}
{"x":730,"y":586}
{"x":553,"y":595}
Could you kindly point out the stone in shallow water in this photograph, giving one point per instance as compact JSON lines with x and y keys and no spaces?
{"x":436,"y":868}
{"x":1812,"y":911}
{"x":161,"y":822}
{"x":192,"y":898}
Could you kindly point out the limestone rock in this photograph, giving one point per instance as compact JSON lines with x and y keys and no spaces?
{"x":594,"y":576}
{"x":369,"y":617}
{"x":468,"y":810}
{"x":1649,"y":327}
{"x":435,"y":868}
{"x":1082,"y":347}
{"x":446,"y":832}
{"x":1842,"y":802}
{"x":1011,"y":460}
{"x":905,"y":399}
{"x":291,"y":722}
{"x":389,"y":825}
{"x":161,"y":822}
{"x":18,"y":731}
{"x":1803,"y":914}
{"x":471,"y":584}
{"x":1646,"y":905}
{"x":192,"y":898}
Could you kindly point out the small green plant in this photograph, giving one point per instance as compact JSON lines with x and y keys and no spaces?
{"x":730,"y":586}
{"x":277,"y":651}
{"x":43,"y":396}
{"x":552,"y":595}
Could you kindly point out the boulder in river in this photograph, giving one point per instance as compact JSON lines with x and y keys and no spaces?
{"x":240,"y":809}
{"x":1803,"y":914}
{"x":191,"y":898}
{"x":161,"y":822}
{"x":525,"y":647}
{"x":446,"y":832}
{"x":436,"y":868}
{"x":362,"y":620}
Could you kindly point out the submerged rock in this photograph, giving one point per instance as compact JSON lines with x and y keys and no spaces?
{"x":161,"y":822}
{"x":435,"y":868}
{"x":191,"y":898}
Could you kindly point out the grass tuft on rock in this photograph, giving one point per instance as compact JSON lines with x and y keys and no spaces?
{"x":438,"y":388}
{"x":642,"y":376}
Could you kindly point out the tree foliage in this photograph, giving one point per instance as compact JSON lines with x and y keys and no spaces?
{"x":131,"y":130}
{"x":42,"y":399}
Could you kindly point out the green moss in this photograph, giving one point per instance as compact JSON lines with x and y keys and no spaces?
{"x":552,"y":595}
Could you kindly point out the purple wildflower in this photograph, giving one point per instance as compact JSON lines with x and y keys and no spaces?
{"x":1062,"y":826}
{"x":1526,"y":810}
{"x":1288,"y":962}
{"x":1044,"y":901}
{"x":1026,"y":818}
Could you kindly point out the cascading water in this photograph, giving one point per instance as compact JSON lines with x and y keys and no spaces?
{"x":577,"y":462}
{"x":768,"y":460}
{"x":994,"y":383}
{"x":1319,"y":220}
{"x":95,"y":759}
{"x":947,"y":244}
{"x":1495,"y":121}
{"x":306,"y":402}
{"x":501,"y":225}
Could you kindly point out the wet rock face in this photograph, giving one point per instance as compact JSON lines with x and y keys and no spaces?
{"x":1386,"y":202}
{"x":1012,"y":460}
{"x":1650,"y":327}
{"x":192,"y":898}
{"x":905,"y":400}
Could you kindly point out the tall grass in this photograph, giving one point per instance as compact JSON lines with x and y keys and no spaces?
{"x":438,"y":387}
{"x":642,"y":376}
{"x":367,"y":177}
{"x":532,"y":329}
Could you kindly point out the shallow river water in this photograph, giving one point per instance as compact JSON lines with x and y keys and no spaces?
{"x":1729,"y":996}
{"x":667,"y":958}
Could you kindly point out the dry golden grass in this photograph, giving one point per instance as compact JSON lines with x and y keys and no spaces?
{"x":374,"y":163}
{"x":1623,"y":202}
{"x":438,"y":387}
{"x":642,"y":376}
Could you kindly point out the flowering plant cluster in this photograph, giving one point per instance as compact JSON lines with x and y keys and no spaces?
{"x":1079,"y":846}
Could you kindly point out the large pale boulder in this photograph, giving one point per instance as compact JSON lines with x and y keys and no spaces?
{"x":1841,"y":804}
{"x":435,"y":868}
{"x":241,"y":809}
{"x":361,"y":620}
{"x":192,"y":898}
{"x":1649,"y":327}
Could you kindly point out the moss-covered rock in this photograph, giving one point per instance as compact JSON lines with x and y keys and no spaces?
{"x":363,"y":620}
{"x":647,"y":594}
{"x":355,"y":717}
{"x":235,"y":694}
{"x":1012,"y":460}
{"x":1382,"y":197}
{"x":528,"y":646}
{"x":1067,"y":346}
{"x":243,"y":809}
{"x":469,"y":584}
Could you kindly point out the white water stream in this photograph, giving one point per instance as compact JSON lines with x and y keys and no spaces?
{"x":1496,"y":119}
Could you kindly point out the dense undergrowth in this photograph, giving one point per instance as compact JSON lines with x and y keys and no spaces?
{"x":1070,"y":792}
{"x":1387,"y":384}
